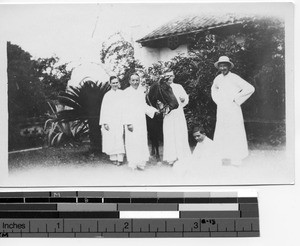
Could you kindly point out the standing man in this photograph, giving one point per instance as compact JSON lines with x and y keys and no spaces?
{"x":229,"y":91}
{"x":112,"y":122}
{"x":134,"y":115}
{"x":176,"y":145}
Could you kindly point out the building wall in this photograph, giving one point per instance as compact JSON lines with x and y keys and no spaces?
{"x":147,"y":56}
{"x":166,"y":54}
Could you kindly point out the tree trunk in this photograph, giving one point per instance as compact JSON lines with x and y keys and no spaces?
{"x":95,"y":136}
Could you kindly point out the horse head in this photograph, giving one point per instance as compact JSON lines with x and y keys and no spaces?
{"x":162,"y":97}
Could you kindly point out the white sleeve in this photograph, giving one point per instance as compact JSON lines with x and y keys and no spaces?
{"x":214,"y":91}
{"x":246,"y":90}
{"x":104,"y":110}
{"x":184,"y":95}
{"x":149,"y":110}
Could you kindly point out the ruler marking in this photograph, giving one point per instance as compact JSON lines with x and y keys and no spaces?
{"x":200,"y":225}
{"x":223,"y":226}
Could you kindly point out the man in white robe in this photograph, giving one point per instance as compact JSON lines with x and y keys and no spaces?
{"x":134,"y":118}
{"x":176,"y":145}
{"x":202,"y":158}
{"x":112,"y":123}
{"x":229,"y":91}
{"x":204,"y":150}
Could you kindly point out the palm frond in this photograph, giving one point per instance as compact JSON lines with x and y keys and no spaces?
{"x":69,"y":102}
{"x":84,"y":105}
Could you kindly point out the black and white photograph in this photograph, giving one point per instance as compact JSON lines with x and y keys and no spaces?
{"x":147,"y":94}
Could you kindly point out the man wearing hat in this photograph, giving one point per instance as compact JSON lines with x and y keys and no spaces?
{"x":229,"y":91}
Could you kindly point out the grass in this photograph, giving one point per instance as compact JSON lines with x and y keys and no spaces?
{"x":76,"y":166}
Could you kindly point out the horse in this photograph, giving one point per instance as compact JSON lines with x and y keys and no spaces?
{"x":160,"y":95}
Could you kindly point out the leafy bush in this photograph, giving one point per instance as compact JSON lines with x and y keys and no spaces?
{"x":83,"y":106}
{"x":62,"y":133}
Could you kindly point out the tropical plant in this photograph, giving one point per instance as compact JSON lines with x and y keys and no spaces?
{"x":83,"y":106}
{"x":31,"y":83}
{"x":61,"y":133}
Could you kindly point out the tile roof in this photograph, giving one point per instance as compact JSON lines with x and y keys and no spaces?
{"x":192,"y":23}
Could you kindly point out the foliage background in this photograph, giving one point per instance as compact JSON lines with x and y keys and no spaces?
{"x":257,"y":49}
{"x":31,"y":84}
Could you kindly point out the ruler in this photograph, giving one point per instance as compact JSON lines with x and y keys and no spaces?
{"x":128,"y":214}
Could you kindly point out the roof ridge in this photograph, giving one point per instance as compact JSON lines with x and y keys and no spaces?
{"x":191,"y":22}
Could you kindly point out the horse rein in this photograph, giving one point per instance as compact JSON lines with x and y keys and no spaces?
{"x":165,"y":109}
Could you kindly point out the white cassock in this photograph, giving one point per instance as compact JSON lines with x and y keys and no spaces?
{"x":134,"y":112}
{"x":204,"y":150}
{"x":203,"y":157}
{"x":111,"y":114}
{"x":176,"y":145}
{"x":229,"y":92}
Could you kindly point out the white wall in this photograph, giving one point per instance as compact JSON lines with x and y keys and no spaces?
{"x":147,"y":56}
{"x":167,"y":54}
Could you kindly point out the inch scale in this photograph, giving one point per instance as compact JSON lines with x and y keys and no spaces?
{"x":128,"y":214}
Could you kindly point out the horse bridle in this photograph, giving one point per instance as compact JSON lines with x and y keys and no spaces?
{"x":165,"y":103}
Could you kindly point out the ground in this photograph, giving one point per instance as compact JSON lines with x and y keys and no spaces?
{"x":76,"y":167}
